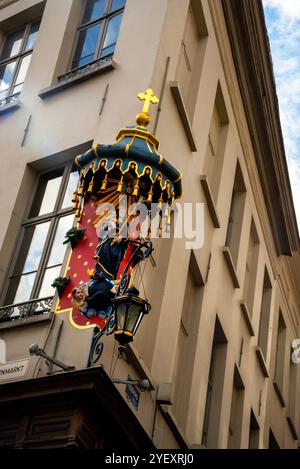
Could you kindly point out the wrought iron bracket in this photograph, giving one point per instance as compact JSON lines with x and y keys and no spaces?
{"x":97,"y":344}
{"x":143,"y":250}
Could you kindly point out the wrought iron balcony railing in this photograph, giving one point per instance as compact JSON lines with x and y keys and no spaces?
{"x":9,"y":99}
{"x":84,"y":69}
{"x":24,"y":310}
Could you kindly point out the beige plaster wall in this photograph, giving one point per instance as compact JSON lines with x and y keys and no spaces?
{"x":150,"y":33}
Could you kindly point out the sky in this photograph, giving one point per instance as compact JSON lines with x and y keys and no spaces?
{"x":283,"y":23}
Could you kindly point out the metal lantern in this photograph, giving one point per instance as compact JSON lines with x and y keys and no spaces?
{"x":129,"y":311}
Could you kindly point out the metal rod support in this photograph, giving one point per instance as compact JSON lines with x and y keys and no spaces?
{"x":39,"y":352}
{"x":26,"y":131}
{"x":143,"y":384}
{"x":104,"y":99}
{"x":162,"y":94}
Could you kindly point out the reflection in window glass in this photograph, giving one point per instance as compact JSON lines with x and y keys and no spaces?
{"x":86,"y":45}
{"x":72,"y":184}
{"x":21,"y":74}
{"x":58,"y":248}
{"x":41,"y":254}
{"x":12,"y":44}
{"x":32,"y":36}
{"x":27,"y":264}
{"x":50,"y":275}
{"x":116,"y":4}
{"x":111,"y":35}
{"x":25,"y":284}
{"x":46,"y":195}
{"x":98,"y":33}
{"x":16,"y":45}
{"x":94,"y":9}
{"x":6,"y":76}
{"x":34,"y":241}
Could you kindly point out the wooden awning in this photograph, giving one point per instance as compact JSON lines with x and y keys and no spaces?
{"x":80,"y":409}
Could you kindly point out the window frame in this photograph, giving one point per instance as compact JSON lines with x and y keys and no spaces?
{"x":53,"y":217}
{"x":263,"y":336}
{"x":107,"y":16}
{"x":280,"y":349}
{"x":236,"y":216}
{"x":18,"y":58}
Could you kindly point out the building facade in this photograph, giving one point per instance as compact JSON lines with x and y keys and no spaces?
{"x":217,"y":347}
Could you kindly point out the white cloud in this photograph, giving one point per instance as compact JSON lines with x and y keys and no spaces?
{"x":288,"y":8}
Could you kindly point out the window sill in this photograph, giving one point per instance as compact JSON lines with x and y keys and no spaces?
{"x":10,"y":106}
{"x":279,"y":394}
{"x":175,"y":90}
{"x":171,"y":421}
{"x":262,"y":362}
{"x":78,"y":76}
{"x":292,"y":427}
{"x":27,"y":321}
{"x":210,"y":201}
{"x":231,"y":267}
{"x":246,"y":315}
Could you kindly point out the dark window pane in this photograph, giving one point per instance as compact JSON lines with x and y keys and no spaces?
{"x":12,"y":44}
{"x":86,"y":45}
{"x":58,"y":248}
{"x":32,"y":36}
{"x":94,"y":9}
{"x":72,"y":184}
{"x":6,"y":76}
{"x":117,"y":4}
{"x":111,"y":34}
{"x":46,"y":194}
{"x":21,"y":74}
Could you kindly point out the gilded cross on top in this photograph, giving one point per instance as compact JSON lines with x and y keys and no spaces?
{"x":149,"y":97}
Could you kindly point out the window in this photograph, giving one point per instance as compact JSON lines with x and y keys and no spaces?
{"x":210,"y":434}
{"x":292,"y":393}
{"x":280,"y":352}
{"x":187,"y":342}
{"x":254,"y":432}
{"x":15,"y":59}
{"x":216,"y":146}
{"x":273,"y":444}
{"x":251,"y":268}
{"x":41,"y":249}
{"x":236,"y":215}
{"x":236,"y":413}
{"x":97,"y":35}
{"x":191,"y":56}
{"x":264,"y":324}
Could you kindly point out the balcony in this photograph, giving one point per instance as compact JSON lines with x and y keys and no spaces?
{"x":90,"y":67}
{"x":9,"y":103}
{"x":79,"y":74}
{"x":27,"y":312}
